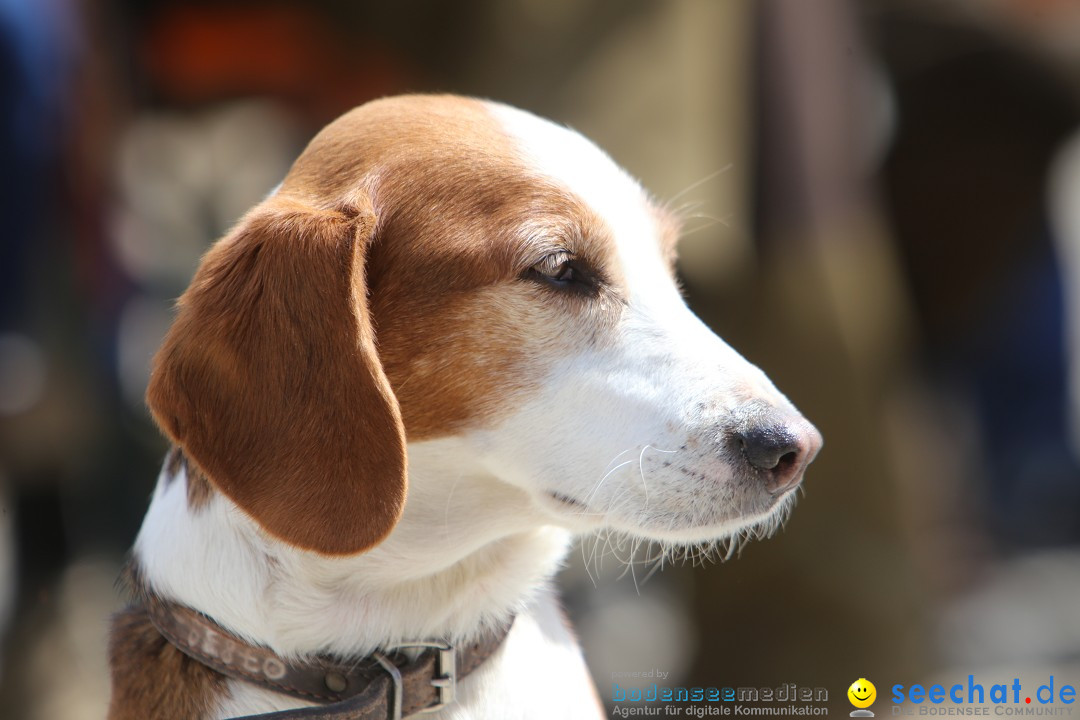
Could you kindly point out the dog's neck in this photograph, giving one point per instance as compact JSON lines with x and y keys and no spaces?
{"x":467,"y":554}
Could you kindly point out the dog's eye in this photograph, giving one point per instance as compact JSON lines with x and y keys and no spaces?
{"x":556,"y":267}
{"x":562,"y":270}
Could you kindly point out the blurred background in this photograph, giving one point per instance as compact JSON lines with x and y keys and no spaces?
{"x":883,"y":203}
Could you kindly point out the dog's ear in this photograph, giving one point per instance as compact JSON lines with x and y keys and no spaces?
{"x":270,"y":380}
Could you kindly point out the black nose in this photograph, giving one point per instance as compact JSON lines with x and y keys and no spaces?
{"x":780,"y":452}
{"x":766,"y":447}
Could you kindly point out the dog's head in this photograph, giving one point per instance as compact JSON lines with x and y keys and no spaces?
{"x":437,"y":267}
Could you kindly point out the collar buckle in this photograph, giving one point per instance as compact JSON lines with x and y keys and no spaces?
{"x":446,"y":682}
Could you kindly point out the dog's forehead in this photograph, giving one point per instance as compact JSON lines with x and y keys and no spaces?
{"x":571,"y":160}
{"x":467,"y":158}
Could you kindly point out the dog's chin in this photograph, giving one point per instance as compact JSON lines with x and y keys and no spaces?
{"x":757,"y":517}
{"x":757,"y":524}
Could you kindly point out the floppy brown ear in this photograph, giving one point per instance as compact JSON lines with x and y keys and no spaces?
{"x":270,"y":381}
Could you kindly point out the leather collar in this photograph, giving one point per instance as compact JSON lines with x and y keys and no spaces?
{"x":384,"y":685}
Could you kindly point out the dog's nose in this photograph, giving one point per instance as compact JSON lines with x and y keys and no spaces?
{"x":780,"y":451}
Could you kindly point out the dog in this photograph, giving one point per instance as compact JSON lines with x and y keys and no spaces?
{"x":450,"y":341}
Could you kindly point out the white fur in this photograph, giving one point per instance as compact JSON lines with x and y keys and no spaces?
{"x":625,"y":431}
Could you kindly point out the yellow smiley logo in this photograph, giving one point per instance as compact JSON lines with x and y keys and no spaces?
{"x":862,"y":693}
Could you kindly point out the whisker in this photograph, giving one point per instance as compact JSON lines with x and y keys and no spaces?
{"x":698,"y":229}
{"x":685,"y":208}
{"x":585,"y":560}
{"x":700,"y":182}
{"x":606,"y":476}
{"x":629,"y":449}
{"x":641,"y":472}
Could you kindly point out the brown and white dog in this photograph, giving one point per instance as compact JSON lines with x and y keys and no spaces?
{"x":449,"y":342}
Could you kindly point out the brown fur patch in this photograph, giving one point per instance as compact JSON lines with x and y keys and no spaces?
{"x":199,"y":490}
{"x":150,"y":677}
{"x":174,"y":460}
{"x":270,"y":382}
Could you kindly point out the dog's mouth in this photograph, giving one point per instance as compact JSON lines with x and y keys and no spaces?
{"x":566,"y":500}
{"x":761,"y":513}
